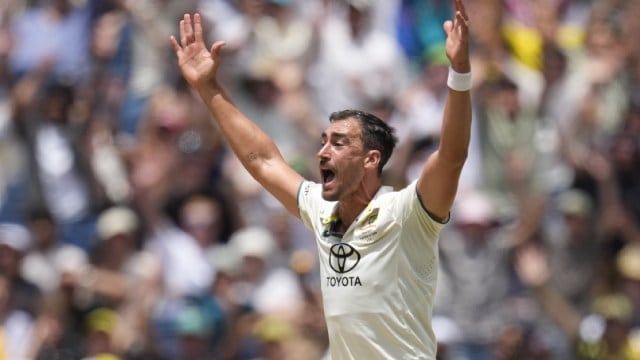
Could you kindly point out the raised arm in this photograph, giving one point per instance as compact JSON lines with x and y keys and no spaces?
{"x":438,"y":182}
{"x":255,"y":149}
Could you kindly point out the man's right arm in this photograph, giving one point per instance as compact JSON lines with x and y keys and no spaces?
{"x":254,"y":148}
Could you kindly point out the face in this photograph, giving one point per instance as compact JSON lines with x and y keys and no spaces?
{"x":200,"y":217}
{"x":43,"y":232}
{"x":342,"y":158}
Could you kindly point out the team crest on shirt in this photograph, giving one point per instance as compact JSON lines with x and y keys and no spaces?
{"x":371,"y":216}
{"x":366,"y":229}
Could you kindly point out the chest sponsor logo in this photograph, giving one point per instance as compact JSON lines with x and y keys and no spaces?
{"x":342,"y":259}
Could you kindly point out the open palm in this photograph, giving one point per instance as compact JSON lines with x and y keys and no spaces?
{"x":197,"y":64}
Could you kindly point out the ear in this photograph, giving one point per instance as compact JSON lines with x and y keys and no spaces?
{"x":372,"y":159}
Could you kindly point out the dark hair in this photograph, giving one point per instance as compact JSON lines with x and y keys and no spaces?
{"x":55,"y":87}
{"x":376,"y":134}
{"x":39,"y":212}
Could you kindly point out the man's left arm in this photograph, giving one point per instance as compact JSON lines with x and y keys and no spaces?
{"x":438,"y":181}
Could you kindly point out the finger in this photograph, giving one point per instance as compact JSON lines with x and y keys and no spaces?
{"x":215,"y":49}
{"x":460,"y":7}
{"x":183,"y":34}
{"x":461,"y":17}
{"x":188,"y":27}
{"x":175,"y":44}
{"x":448,"y":26}
{"x":197,"y":28}
{"x":462,"y":22}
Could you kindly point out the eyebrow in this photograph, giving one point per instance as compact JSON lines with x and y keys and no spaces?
{"x":336,"y":135}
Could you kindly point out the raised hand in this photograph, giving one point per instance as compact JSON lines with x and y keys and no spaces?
{"x":197,"y":64}
{"x":457,"y":44}
{"x":531,"y":266}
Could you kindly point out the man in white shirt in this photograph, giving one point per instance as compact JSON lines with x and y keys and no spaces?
{"x":377,"y":247}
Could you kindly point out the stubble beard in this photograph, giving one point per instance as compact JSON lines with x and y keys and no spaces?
{"x":330,"y":195}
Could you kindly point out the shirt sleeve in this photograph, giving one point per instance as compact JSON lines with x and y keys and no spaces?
{"x":413,"y":214}
{"x":308,"y":195}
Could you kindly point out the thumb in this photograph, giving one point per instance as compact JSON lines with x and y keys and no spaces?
{"x":215,"y":49}
{"x":447,"y":26}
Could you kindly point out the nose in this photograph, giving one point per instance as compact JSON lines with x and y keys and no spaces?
{"x":323,"y":153}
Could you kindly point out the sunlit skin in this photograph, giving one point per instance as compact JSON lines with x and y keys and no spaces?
{"x":349,"y":171}
{"x":350,"y":175}
{"x":340,"y":156}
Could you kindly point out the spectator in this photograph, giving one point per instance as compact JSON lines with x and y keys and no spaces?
{"x":573,"y":246}
{"x":266,"y":287}
{"x":61,"y":180}
{"x":601,"y":332}
{"x":149,"y":61}
{"x":17,"y":325}
{"x":475,"y":251}
{"x":195,"y":331}
{"x":54,"y":32}
{"x":100,"y":324}
{"x":49,"y":260}
{"x":355,"y":61}
{"x":96,"y":130}
{"x":509,"y":157}
{"x":15,"y":243}
{"x":203,"y":217}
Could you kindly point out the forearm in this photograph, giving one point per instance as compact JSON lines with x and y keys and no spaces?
{"x":251,"y":144}
{"x":559,"y":309}
{"x":438,"y":182}
{"x":456,"y":128}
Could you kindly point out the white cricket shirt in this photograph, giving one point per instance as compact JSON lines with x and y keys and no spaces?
{"x":379,"y":277}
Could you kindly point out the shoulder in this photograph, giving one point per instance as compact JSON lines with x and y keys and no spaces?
{"x":311,"y":205}
{"x":408,"y":207}
{"x":309,"y":189}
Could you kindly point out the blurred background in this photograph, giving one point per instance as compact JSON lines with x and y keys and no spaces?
{"x":128,"y":230}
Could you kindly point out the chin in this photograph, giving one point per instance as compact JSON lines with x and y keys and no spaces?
{"x":329,"y":195}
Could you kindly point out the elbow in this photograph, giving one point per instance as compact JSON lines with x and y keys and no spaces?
{"x":257,"y":163}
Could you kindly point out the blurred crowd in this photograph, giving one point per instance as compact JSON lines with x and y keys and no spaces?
{"x":128,"y":230}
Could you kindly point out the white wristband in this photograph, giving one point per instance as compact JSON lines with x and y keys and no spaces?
{"x":459,"y":81}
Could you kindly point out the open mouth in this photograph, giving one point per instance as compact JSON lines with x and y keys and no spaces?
{"x":327,"y":176}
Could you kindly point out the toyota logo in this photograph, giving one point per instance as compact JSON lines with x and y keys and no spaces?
{"x":343,"y":258}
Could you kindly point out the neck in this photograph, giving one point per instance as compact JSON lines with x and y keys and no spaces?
{"x":349,"y":208}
